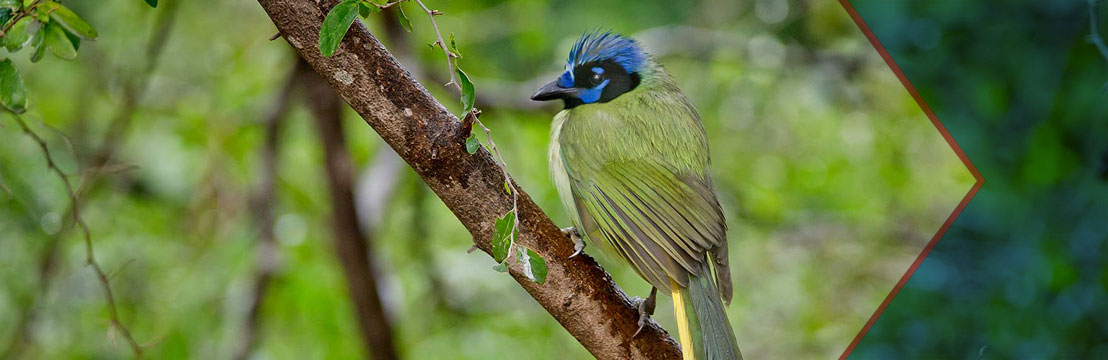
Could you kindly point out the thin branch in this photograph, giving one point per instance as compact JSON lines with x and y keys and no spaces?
{"x":102,"y":156}
{"x":451,"y":64}
{"x":105,"y":169}
{"x":503,"y":169}
{"x":4,"y":186}
{"x":451,"y":57}
{"x":90,"y":255}
{"x":387,"y":5}
{"x":25,"y":12}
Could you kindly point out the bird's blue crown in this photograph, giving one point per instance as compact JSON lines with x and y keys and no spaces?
{"x":596,"y":46}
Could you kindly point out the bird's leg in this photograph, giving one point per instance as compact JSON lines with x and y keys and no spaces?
{"x":646,"y":309}
{"x":578,"y":243}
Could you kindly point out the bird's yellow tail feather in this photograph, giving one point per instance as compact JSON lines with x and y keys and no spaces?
{"x":683,"y":330}
{"x":702,"y":323}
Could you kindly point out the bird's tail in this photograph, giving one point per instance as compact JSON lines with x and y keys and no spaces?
{"x":701,"y":321}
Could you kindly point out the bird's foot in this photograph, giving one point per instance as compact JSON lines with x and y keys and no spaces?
{"x":646,"y":309}
{"x":578,"y":243}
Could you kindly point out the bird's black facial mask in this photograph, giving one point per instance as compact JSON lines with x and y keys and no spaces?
{"x":591,"y":82}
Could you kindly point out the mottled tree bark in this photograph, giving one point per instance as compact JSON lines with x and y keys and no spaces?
{"x":577,"y":293}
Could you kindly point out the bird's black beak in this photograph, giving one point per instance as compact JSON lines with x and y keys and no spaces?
{"x":551,"y":91}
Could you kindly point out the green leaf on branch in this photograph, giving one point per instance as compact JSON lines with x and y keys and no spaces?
{"x":538,"y":266}
{"x":40,"y":12}
{"x":472,"y":144}
{"x":18,"y":35}
{"x":152,"y":3}
{"x":501,"y":267}
{"x":69,"y":20}
{"x":38,"y":43}
{"x":12,"y":93}
{"x":507,"y":188}
{"x":467,"y":90}
{"x":502,"y":236}
{"x":73,"y":39}
{"x":405,"y":22}
{"x":5,"y":15}
{"x":454,"y":46}
{"x":58,"y":43}
{"x":335,"y":25}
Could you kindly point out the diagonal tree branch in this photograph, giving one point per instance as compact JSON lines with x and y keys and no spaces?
{"x":577,"y":293}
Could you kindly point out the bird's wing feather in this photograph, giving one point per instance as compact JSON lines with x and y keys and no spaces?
{"x":660,"y":221}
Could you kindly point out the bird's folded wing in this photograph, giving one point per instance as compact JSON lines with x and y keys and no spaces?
{"x":660,"y":221}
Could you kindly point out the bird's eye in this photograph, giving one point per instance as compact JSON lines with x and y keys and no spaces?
{"x":596,"y":78}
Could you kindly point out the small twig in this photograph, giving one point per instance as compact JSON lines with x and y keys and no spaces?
{"x":90,"y":256}
{"x":387,"y":5}
{"x":275,"y":36}
{"x":26,"y":11}
{"x":120,"y":268}
{"x":507,"y":178}
{"x":105,"y":169}
{"x":5,"y":187}
{"x":451,"y":58}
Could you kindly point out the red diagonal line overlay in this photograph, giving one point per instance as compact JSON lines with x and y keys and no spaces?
{"x":979,"y":180}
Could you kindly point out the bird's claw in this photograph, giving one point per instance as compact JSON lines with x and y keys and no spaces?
{"x":578,"y":244}
{"x":646,"y":309}
{"x":578,"y":247}
{"x":642,"y":324}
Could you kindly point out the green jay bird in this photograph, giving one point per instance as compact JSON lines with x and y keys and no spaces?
{"x":629,"y":158}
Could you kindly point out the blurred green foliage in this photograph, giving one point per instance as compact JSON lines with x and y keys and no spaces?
{"x":1023,"y":272}
{"x":831,"y":177}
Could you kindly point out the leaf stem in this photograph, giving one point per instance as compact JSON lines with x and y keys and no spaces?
{"x":450,"y":56}
{"x":451,"y":63}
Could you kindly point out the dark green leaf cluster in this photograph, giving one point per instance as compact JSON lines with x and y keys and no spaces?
{"x":44,"y":26}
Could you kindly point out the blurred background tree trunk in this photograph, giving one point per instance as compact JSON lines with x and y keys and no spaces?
{"x":352,"y":246}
